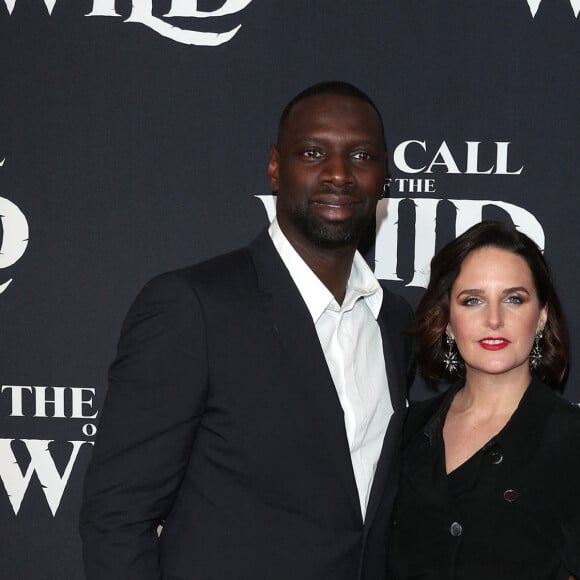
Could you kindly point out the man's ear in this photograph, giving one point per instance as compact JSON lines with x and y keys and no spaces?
{"x":274,"y":168}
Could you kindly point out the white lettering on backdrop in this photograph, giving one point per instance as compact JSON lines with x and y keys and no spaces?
{"x":42,"y":463}
{"x":20,"y":459}
{"x":535,"y":4}
{"x":468,"y":212}
{"x":142,"y":13}
{"x":14,"y":235}
{"x":443,"y":157}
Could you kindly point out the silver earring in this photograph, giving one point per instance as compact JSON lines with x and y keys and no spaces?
{"x":451,"y":357}
{"x":536,"y":354}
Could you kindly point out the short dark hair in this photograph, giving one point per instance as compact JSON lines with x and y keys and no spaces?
{"x":327,"y":88}
{"x":433,"y":309}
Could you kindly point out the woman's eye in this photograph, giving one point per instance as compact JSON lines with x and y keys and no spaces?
{"x":473,"y":301}
{"x":515,"y":300}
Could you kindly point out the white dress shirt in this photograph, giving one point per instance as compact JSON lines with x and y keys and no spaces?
{"x":351,"y":341}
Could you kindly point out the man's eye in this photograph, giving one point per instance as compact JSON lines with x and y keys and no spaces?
{"x":312,"y":154}
{"x":362,"y":155}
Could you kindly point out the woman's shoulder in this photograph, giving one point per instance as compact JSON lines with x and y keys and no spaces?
{"x":565,"y":416}
{"x":562,"y":433}
{"x":560,"y":408}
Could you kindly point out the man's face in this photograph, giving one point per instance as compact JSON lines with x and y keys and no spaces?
{"x":328,"y":170}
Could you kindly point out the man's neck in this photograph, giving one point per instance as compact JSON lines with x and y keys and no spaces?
{"x":331,"y":265}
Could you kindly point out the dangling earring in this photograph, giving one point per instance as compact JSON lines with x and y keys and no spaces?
{"x":451,"y":357}
{"x":536,"y":354}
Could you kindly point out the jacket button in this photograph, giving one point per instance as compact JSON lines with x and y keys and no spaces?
{"x":511,"y":495}
{"x":496,"y":457}
{"x":456,"y":529}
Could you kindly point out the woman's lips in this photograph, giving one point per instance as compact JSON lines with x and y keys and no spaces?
{"x":494,"y":343}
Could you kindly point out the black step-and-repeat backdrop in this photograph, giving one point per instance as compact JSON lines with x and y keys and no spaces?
{"x":134,"y":139}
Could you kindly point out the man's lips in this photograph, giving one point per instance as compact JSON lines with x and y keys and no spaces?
{"x":331,"y":204}
{"x":335,"y":207}
{"x":494,"y":342}
{"x":334,"y":200}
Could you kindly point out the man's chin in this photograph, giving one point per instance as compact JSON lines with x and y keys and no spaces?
{"x":330,"y":234}
{"x":335,"y":234}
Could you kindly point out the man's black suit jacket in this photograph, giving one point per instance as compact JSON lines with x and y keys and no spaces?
{"x":222,"y":421}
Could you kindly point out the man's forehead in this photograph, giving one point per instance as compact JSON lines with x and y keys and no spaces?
{"x":317,"y":111}
{"x":316,"y":103}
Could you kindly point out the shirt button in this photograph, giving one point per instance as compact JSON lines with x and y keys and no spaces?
{"x":511,"y":495}
{"x":496,"y":457}
{"x":456,"y":529}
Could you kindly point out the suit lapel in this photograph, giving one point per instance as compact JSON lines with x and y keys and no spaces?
{"x":298,"y":339}
{"x":386,"y":473}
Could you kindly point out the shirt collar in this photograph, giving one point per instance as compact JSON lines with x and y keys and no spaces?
{"x":318,"y":298}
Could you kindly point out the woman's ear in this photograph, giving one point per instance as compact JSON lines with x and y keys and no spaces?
{"x":543,"y":319}
{"x":449,"y":332}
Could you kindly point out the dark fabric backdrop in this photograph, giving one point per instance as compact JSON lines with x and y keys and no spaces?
{"x":129,"y":147}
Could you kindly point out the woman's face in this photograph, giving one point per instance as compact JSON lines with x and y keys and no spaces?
{"x":495,"y":313}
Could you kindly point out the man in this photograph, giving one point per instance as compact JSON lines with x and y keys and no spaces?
{"x":256,"y":402}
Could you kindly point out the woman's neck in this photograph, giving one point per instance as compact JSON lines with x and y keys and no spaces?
{"x":488,"y":395}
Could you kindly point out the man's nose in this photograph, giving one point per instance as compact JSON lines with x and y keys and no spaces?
{"x":338,"y":170}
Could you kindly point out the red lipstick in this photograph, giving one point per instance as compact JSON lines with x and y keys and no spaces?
{"x":494,"y":342}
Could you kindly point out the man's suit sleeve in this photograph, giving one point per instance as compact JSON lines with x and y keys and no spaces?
{"x":153,"y":407}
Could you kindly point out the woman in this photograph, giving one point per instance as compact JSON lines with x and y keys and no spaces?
{"x":490,"y":485}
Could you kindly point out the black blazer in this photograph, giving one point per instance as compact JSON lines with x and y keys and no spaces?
{"x":516,"y":513}
{"x":222,"y":421}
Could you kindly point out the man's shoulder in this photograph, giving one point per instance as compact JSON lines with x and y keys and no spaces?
{"x":220,"y":271}
{"x":393,"y":297}
{"x":395,"y":303}
{"x":219,"y":284}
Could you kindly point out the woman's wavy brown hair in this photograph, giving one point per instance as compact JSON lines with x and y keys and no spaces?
{"x":433,"y":309}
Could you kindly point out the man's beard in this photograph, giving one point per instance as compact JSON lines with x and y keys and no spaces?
{"x":330,"y":234}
